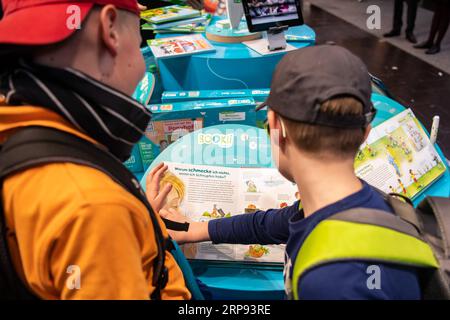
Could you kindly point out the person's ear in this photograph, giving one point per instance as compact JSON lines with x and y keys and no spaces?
{"x":367,"y":131}
{"x":271,"y":120}
{"x":109,"y":28}
{"x":275,"y":125}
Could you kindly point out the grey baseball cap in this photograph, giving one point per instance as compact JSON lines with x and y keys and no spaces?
{"x":305,"y":78}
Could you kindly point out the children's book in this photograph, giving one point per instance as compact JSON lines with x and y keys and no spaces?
{"x":169,"y":13}
{"x":197,"y":21}
{"x":180,"y":46}
{"x":205,"y":193}
{"x":398,"y":157}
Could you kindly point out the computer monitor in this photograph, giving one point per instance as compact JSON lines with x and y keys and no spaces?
{"x":261,"y":15}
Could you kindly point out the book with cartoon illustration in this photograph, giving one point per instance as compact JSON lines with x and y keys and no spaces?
{"x":180,"y":46}
{"x":398,"y":157}
{"x":205,"y":193}
{"x":169,"y":13}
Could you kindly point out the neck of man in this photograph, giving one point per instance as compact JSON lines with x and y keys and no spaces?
{"x":322,"y":182}
{"x":63,"y":56}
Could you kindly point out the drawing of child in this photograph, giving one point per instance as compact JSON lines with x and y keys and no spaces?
{"x":251,"y":187}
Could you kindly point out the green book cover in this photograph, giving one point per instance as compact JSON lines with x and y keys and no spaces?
{"x":170,"y":13}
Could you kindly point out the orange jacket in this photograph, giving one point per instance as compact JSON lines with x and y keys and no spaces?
{"x":62,"y":214}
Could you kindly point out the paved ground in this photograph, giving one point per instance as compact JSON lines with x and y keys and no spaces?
{"x":412,"y":81}
{"x":354,"y":12}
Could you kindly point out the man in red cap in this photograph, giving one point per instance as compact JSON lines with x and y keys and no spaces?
{"x":72,"y":231}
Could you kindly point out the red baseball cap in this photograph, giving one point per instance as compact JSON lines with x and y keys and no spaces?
{"x":41,"y":22}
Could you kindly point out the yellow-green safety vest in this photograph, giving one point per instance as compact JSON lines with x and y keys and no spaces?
{"x":362,"y":235}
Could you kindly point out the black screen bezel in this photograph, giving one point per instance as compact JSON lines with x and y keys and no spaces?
{"x":267,"y":26}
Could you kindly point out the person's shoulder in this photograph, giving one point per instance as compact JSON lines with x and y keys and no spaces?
{"x":375,"y":199}
{"x":360,"y":280}
{"x":69,"y":185}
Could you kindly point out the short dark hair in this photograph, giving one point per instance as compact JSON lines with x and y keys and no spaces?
{"x":338,"y":142}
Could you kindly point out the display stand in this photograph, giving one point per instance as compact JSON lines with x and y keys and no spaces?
{"x":215,"y":32}
{"x":232,"y":66}
{"x":276,"y":39}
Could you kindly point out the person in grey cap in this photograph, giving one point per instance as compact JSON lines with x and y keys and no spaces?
{"x":319,"y":113}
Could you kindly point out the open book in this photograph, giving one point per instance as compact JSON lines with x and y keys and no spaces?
{"x":398,"y":157}
{"x":206,"y":193}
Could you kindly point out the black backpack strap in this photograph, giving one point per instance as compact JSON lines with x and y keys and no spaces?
{"x":34,"y":146}
{"x":434,"y":212}
{"x":402,"y":207}
{"x":439,"y":208}
{"x":434,"y":282}
{"x":378,"y":218}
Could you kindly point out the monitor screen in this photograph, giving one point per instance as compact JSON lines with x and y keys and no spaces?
{"x":264,"y":14}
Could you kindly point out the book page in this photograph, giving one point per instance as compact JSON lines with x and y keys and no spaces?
{"x":205,"y":193}
{"x":398,"y":157}
{"x":263,"y":189}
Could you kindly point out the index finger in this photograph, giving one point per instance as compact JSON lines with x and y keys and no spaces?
{"x":154,"y":170}
{"x":155,"y":179}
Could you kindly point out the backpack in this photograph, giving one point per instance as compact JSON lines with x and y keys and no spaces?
{"x":412,"y":237}
{"x":33,"y":146}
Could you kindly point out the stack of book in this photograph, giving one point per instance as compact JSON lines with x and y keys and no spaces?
{"x":175,"y":19}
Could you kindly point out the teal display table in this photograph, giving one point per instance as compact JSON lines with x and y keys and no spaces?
{"x":231,"y":66}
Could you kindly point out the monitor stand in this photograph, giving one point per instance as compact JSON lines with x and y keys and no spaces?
{"x":276,"y":39}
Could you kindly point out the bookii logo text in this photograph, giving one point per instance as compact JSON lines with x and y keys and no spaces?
{"x":221,"y":140}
